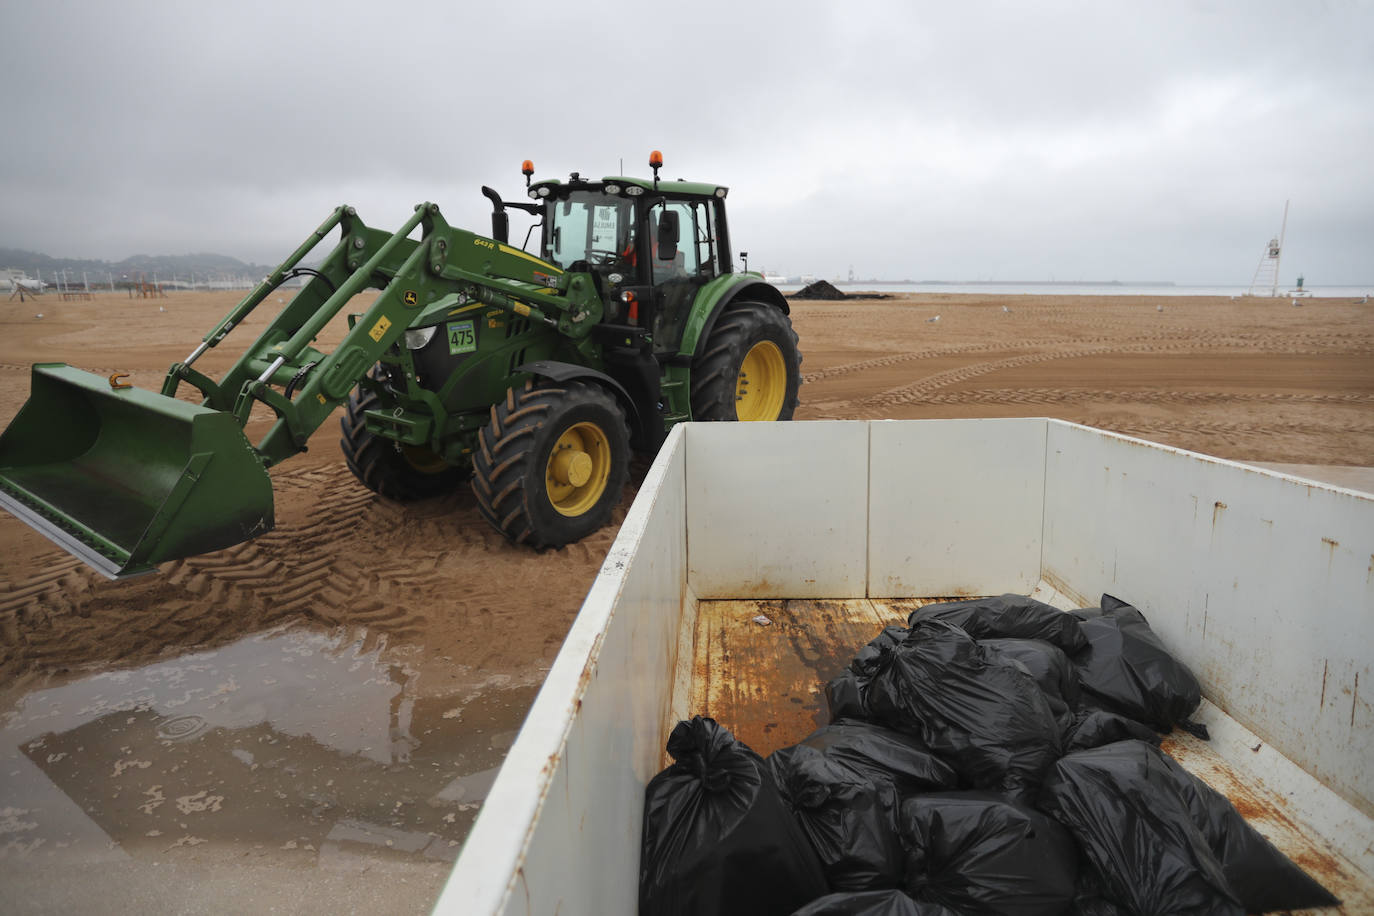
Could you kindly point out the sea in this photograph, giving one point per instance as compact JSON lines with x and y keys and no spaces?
{"x":1084,"y":289}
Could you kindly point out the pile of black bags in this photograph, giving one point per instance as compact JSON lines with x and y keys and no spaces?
{"x":995,"y":756}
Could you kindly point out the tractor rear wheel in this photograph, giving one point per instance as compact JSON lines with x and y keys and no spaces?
{"x":750,"y":368}
{"x":404,"y":473}
{"x":551,"y":462}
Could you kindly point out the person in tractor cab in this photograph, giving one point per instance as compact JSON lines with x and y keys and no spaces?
{"x":662,"y":269}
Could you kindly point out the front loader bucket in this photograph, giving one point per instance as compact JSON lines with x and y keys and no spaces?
{"x":124,"y":478}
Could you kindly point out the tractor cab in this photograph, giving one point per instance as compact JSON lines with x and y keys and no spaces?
{"x":657,"y":255}
{"x":650,"y":245}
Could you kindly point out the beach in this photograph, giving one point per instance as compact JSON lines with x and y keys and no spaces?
{"x":458,"y":627}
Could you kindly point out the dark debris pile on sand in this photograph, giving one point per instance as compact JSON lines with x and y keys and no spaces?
{"x":818,"y":290}
{"x":823,"y":290}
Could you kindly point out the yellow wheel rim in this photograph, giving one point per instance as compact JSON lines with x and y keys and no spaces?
{"x":762,"y":383}
{"x":423,"y":460}
{"x":579,"y":467}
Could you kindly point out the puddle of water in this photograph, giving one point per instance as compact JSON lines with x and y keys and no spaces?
{"x":291,"y":748}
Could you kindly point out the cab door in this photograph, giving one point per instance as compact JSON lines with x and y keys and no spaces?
{"x":684,"y":256}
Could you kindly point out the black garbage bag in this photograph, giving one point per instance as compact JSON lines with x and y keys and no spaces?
{"x":869,"y":659}
{"x":1095,"y":906}
{"x":1049,"y":665}
{"x":976,"y":852}
{"x":1007,"y":617}
{"x":850,"y":820}
{"x":844,"y":782}
{"x":1088,"y":899}
{"x":871,"y":903}
{"x":1096,"y":727}
{"x":1261,"y":876}
{"x":1126,"y":668}
{"x":883,"y":756}
{"x":989,"y":720}
{"x":718,"y":837}
{"x":845,"y":695}
{"x":1123,"y":804}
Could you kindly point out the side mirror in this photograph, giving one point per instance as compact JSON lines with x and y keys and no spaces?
{"x":668,"y":235}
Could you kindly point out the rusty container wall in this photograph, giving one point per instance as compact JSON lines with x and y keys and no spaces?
{"x":1260,"y":581}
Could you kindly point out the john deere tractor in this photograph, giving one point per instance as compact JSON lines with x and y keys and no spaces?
{"x":531,"y":374}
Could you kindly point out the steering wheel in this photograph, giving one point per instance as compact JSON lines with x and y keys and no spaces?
{"x":601,"y":257}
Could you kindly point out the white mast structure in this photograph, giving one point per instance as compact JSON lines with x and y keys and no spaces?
{"x":1267,"y":273}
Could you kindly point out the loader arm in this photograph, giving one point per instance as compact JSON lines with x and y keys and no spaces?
{"x":419,"y":280}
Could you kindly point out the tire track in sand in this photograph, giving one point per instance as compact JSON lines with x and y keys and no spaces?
{"x":1196,"y":341}
{"x":332,"y":562}
{"x":1136,"y":396}
{"x":921,"y":389}
{"x":67,"y":614}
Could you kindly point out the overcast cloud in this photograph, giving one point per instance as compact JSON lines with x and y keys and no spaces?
{"x":955,"y":141}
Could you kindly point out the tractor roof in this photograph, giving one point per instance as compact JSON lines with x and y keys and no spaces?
{"x":685,"y":188}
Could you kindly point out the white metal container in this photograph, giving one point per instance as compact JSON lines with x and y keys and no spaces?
{"x":1261,"y":582}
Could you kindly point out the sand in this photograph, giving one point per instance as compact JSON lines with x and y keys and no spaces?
{"x":432,"y":585}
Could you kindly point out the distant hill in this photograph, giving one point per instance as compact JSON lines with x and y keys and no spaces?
{"x":203,"y":266}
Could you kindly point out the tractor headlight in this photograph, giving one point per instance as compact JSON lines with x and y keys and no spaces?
{"x":533,"y":192}
{"x":544,"y":191}
{"x":418,"y":338}
{"x":612,"y":189}
{"x":634,"y":190}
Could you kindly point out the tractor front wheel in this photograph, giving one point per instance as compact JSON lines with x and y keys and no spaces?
{"x":404,"y":473}
{"x":750,"y":368}
{"x":551,"y":463}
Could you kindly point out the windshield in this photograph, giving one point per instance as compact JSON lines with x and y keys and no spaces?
{"x":588,"y":226}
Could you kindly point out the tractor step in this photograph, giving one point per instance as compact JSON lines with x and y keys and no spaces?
{"x":405,"y":426}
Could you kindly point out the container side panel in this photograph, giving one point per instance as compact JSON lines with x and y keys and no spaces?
{"x":777,"y":510}
{"x":1261,"y":583}
{"x":955,"y":506}
{"x":593,"y":738}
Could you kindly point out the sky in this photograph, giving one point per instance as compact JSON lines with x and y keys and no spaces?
{"x":905,"y":140}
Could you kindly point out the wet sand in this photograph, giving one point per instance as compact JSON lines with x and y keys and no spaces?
{"x":427,"y":634}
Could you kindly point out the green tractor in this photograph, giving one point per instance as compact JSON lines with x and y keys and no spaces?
{"x":531,"y":375}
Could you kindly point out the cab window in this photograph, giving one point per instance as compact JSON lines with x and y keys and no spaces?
{"x":587,"y":226}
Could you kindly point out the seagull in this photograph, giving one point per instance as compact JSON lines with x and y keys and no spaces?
{"x":1296,"y":302}
{"x":1005,"y":309}
{"x":929,"y":320}
{"x":1159,"y":308}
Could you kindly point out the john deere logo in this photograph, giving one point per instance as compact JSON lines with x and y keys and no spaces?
{"x":410,"y":297}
